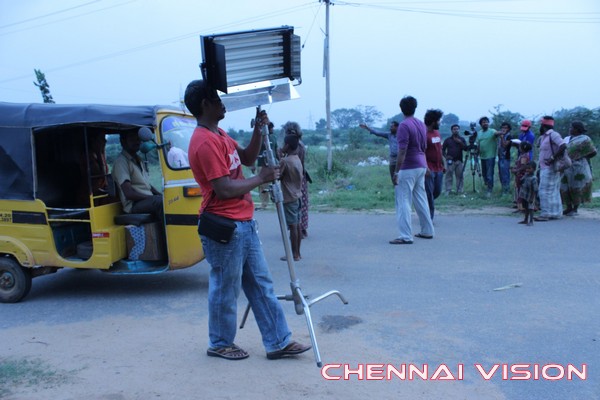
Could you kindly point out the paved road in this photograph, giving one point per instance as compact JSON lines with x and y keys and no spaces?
{"x":431,"y":303}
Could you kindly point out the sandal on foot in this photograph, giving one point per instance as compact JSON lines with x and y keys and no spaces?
{"x":284,"y":258}
{"x":229,"y":353}
{"x":422,"y":236}
{"x":400,"y":241}
{"x":292,"y":349}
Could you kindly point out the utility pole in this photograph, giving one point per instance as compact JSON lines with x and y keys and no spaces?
{"x":326,"y":72}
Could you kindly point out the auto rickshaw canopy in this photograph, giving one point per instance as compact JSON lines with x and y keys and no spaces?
{"x":18,"y":121}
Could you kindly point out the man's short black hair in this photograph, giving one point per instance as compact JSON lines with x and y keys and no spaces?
{"x":455,"y":125}
{"x":408,"y":105}
{"x":432,"y":116}
{"x":394,"y":123}
{"x":506,"y":124}
{"x":483,"y":119}
{"x":195,"y":92}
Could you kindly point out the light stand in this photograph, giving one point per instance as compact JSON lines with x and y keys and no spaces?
{"x":301,"y":304}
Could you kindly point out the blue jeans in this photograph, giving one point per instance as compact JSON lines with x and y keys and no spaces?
{"x":411,"y":189}
{"x":487,"y":170}
{"x":433,"y":188}
{"x":242,"y":264}
{"x":504,"y":172}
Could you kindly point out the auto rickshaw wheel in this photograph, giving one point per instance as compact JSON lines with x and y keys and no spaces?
{"x":15,"y":281}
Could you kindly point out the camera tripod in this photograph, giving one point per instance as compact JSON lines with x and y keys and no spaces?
{"x":472,"y":158}
{"x":301,"y":303}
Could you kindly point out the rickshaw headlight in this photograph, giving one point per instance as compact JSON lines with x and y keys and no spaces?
{"x":191,"y":191}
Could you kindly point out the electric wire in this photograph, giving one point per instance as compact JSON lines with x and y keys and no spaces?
{"x":542,"y":17}
{"x":49,"y":14}
{"x":165,"y":41}
{"x":67,"y":18}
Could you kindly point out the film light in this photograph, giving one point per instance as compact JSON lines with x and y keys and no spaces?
{"x":232,"y":61}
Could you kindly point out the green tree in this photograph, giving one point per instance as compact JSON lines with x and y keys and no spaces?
{"x":590,"y":118}
{"x":321,"y":124}
{"x":345,"y":118}
{"x":398,"y":118}
{"x":450,"y":119}
{"x":499,"y":116}
{"x":43,"y":85}
{"x":370,"y":115}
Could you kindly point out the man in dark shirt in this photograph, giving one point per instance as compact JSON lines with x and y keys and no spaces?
{"x":393,"y":143}
{"x":434,"y":177}
{"x":504,"y":145}
{"x":453,"y":148}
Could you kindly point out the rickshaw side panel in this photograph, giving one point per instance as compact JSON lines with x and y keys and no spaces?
{"x":33,"y":243}
{"x":183,"y":242}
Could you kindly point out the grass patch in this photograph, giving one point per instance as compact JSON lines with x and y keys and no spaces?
{"x":28,"y":373}
{"x":368,"y":188}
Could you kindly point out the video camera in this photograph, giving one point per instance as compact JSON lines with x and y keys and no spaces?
{"x":472,"y":135}
{"x":472,"y":125}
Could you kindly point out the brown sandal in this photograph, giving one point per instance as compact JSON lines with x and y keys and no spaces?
{"x":291,"y":349}
{"x":229,"y":353}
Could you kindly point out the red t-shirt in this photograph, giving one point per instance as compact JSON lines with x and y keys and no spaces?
{"x":213,"y":156}
{"x":433,"y":154}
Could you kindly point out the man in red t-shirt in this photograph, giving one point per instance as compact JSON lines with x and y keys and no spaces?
{"x":434,"y":177}
{"x":216,"y":161}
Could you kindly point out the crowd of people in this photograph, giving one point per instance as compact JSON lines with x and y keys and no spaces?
{"x":422,"y":166}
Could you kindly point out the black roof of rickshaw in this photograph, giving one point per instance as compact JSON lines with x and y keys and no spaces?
{"x":34,"y":115}
{"x":17,"y":120}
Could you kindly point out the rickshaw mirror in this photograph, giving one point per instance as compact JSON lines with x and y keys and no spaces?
{"x":145,"y":134}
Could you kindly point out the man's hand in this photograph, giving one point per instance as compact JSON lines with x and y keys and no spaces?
{"x":261,"y":119}
{"x":269,"y":174}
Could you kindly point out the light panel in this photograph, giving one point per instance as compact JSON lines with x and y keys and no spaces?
{"x":237,"y":59}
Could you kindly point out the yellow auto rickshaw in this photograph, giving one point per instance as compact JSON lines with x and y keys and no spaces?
{"x":59,"y":209}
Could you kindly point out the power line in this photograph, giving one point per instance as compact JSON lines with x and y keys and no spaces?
{"x":562,"y":17}
{"x":49,"y":14}
{"x":165,"y":41}
{"x":67,"y":18}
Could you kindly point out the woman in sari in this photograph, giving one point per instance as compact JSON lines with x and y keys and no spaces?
{"x":576,"y":183}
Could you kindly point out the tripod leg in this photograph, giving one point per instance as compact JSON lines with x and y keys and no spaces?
{"x":311,"y":329}
{"x":245,"y":317}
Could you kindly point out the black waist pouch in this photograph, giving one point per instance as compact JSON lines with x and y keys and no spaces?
{"x":215,"y":227}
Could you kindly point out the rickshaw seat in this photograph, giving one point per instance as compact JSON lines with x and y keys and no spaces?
{"x":134,"y":219}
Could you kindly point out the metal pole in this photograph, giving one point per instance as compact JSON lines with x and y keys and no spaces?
{"x":327,"y":89}
{"x":301,"y":305}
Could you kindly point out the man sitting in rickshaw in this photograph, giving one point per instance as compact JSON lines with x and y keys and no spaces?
{"x":137,"y":194}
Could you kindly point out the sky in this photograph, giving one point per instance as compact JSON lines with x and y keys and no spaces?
{"x":465,"y":57}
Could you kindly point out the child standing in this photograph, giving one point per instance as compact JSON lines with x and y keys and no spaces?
{"x":519,"y":170}
{"x":528,"y":193}
{"x":291,"y":186}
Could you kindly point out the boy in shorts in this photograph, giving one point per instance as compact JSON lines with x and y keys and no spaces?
{"x":291,"y":187}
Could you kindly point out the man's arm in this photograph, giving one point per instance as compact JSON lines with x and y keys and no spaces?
{"x":401,"y":157}
{"x":132,"y":194}
{"x":227,"y":188}
{"x":384,"y":135}
{"x":249,"y":154}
